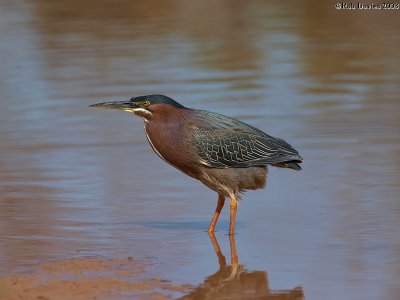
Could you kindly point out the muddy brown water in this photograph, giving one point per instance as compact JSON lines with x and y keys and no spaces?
{"x":77,"y":182}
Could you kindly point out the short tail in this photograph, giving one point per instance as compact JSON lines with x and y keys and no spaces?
{"x":292,"y":164}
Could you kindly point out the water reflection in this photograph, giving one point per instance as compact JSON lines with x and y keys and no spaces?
{"x":234,"y":281}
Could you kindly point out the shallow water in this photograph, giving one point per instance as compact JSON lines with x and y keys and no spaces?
{"x":79,"y":182}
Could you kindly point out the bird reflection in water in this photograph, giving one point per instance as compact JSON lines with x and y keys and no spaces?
{"x":235,"y":282}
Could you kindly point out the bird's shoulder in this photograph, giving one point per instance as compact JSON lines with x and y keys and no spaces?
{"x":213,"y":122}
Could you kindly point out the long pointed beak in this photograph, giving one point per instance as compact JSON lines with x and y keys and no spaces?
{"x":121,"y":105}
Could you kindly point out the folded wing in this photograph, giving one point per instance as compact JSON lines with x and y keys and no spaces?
{"x":228,"y":143}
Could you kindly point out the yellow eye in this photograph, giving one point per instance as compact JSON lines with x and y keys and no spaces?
{"x":146,"y":103}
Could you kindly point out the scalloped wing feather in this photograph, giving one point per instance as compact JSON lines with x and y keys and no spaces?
{"x":223,"y":142}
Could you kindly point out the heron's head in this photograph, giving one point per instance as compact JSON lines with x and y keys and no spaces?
{"x":148,"y":107}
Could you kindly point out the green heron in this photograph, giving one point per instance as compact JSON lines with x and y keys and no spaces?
{"x":225,"y":154}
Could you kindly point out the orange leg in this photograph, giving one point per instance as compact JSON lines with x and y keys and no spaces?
{"x":233,"y":206}
{"x":234,"y":257}
{"x":220,"y":205}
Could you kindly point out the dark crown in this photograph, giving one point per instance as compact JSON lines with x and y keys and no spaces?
{"x":158,"y":99}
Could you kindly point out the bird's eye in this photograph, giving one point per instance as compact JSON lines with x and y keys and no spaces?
{"x":146,"y":103}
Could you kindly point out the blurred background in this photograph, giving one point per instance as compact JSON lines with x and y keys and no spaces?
{"x":79,"y":182}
